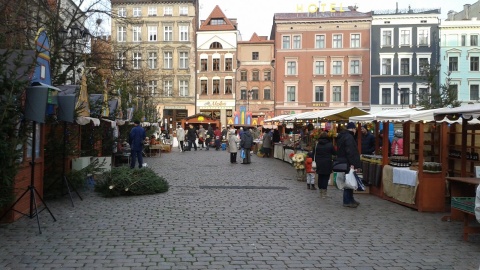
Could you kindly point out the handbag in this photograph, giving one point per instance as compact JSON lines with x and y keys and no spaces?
{"x":314,"y":163}
{"x":340,"y":166}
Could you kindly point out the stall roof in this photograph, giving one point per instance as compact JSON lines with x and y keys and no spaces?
{"x":414,"y":116}
{"x":342,"y":114}
{"x":468,"y":112}
{"x":278,"y":118}
{"x":373,"y":116}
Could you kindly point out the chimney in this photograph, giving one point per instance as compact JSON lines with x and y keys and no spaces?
{"x":451,"y":15}
{"x":466,"y":8}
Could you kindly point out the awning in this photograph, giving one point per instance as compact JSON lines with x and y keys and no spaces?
{"x":414,"y":116}
{"x":277,"y":118}
{"x":373,"y":116}
{"x":467,"y":112}
{"x":334,"y":115}
{"x":46,"y":85}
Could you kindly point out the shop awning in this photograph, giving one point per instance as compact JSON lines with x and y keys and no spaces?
{"x":373,"y":116}
{"x":342,"y":114}
{"x":413,"y":115}
{"x":467,"y":112}
{"x":278,"y":118}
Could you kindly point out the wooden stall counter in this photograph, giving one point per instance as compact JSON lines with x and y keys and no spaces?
{"x":463,"y":188}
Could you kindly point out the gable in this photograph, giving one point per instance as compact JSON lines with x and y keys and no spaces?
{"x":225,"y":44}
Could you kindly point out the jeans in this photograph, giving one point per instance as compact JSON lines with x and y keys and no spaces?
{"x":181,"y":145}
{"x":348,"y":196}
{"x":247,"y":155}
{"x":136,"y":154}
{"x":323,"y":181}
{"x":190,"y":145}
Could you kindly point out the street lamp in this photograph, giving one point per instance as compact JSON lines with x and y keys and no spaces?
{"x":76,"y":33}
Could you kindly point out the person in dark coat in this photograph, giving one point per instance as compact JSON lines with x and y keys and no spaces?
{"x":348,"y":151}
{"x":191,"y":137}
{"x":368,"y":141}
{"x":323,"y":157}
{"x":135,"y":139}
{"x":209,"y":137}
{"x":246,"y":143}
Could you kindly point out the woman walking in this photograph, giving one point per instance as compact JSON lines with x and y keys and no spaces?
{"x":323,"y":157}
{"x":232,"y":146}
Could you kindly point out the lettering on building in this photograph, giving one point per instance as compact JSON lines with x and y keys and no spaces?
{"x":320,"y":104}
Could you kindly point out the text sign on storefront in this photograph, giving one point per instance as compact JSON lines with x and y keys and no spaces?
{"x":175,"y":107}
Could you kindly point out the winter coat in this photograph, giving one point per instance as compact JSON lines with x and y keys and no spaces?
{"x":267,"y":141}
{"x":368,"y":143}
{"x":308,"y":165}
{"x":191,"y":134}
{"x":246,"y":140}
{"x":136,"y":138}
{"x":232,"y":143}
{"x":323,"y":156}
{"x":180,"y":134}
{"x":201,"y":133}
{"x":347,"y":149}
{"x":397,"y":146}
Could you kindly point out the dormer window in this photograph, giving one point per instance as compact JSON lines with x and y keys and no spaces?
{"x":217,"y":21}
{"x":216,"y":45}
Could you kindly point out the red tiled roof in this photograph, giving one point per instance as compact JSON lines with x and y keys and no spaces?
{"x":217,"y":13}
{"x":257,"y":39}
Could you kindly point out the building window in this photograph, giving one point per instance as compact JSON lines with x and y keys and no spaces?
{"x":122,"y":34}
{"x":203,"y":87}
{"x":386,"y":66}
{"x":152,"y":60}
{"x":404,"y":96}
{"x":474,"y":40}
{"x":152,"y":11}
{"x":167,"y":60}
{"x":464,"y":40}
{"x":386,"y":96}
{"x":216,"y":86}
{"x":319,"y":67}
{"x":291,"y":68}
{"x":355,"y":93}
{"x":355,"y":41}
{"x":474,"y":63}
{"x":168,"y":11}
{"x":216,"y":64}
{"x":137,"y":33}
{"x":216,"y":45}
{"x":137,"y":12}
{"x":228,"y":86}
{"x":183,"y":29}
{"x":454,"y":90}
{"x":254,"y":55}
{"x":168,"y":88}
{"x":337,"y":68}
{"x":137,"y":60}
{"x":319,"y":41}
{"x":228,"y":64}
{"x":290,"y":93}
{"x":423,"y":93}
{"x":167,"y":33}
{"x":183,"y":60}
{"x":423,"y":66}
{"x":243,"y":75}
{"x":183,"y":88}
{"x":404,"y":66}
{"x":203,"y":64}
{"x":387,"y":37}
{"x":423,"y":36}
{"x":152,"y":87}
{"x":286,"y":42}
{"x":267,"y":75}
{"x":243,"y":94}
{"x":255,"y":75}
{"x":266,"y":94}
{"x":452,"y":63}
{"x":152,"y":33}
{"x":355,"y":67}
{"x":254,"y":94}
{"x":337,"y":94}
{"x":217,"y":21}
{"x":183,"y":10}
{"x":121,"y":58}
{"x":297,"y":43}
{"x":405,"y":37}
{"x":319,"y":93}
{"x":337,"y":41}
{"x":122,"y":12}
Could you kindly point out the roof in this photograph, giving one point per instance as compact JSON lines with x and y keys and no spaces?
{"x":317,"y":16}
{"x":211,"y":24}
{"x":257,"y":39}
{"x":467,"y":112}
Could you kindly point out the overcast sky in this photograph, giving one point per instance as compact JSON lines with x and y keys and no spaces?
{"x":257,"y":15}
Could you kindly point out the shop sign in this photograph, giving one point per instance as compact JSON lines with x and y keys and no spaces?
{"x":320,"y":104}
{"x":220,"y":104}
{"x":175,"y":107}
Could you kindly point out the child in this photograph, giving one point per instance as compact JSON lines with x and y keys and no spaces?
{"x":310,"y":172}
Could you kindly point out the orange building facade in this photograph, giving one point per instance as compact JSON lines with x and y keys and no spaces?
{"x":322,"y":61}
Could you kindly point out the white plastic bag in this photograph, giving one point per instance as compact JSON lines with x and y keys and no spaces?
{"x":350,"y":180}
{"x":339,"y":179}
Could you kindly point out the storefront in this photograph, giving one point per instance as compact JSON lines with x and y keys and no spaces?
{"x":217,"y":109}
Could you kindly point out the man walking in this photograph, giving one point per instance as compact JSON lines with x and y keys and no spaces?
{"x":136,"y":138}
{"x":192,"y":137}
{"x":246,"y":142}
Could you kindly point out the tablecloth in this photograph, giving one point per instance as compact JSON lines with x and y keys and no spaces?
{"x":401,"y":193}
{"x":404,"y":176}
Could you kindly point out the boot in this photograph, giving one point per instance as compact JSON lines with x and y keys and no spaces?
{"x":313,"y":187}
{"x":308,"y":186}
{"x":323,"y":193}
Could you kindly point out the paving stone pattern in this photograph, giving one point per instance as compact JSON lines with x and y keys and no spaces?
{"x":287,"y":227}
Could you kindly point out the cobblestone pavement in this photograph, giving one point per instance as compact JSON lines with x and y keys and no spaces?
{"x":245,"y":226}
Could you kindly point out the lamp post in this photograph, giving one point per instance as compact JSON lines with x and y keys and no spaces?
{"x":76,"y":33}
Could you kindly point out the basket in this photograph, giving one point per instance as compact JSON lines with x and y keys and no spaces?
{"x":466,"y":204}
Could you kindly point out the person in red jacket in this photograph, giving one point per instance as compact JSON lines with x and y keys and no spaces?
{"x":310,"y":173}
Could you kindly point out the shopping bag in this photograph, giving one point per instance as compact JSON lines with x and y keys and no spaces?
{"x":242,"y":153}
{"x":361,"y":186}
{"x":314,"y":165}
{"x":339,"y":180}
{"x":350,"y":180}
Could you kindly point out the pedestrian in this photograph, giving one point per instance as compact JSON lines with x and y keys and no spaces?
{"x":209,"y":137}
{"x":232,"y":146}
{"x":218,"y":138}
{"x":324,"y":151}
{"x":246,"y":143}
{"x":368,"y":141}
{"x":191,"y":137}
{"x":181,"y":137}
{"x":310,"y":172}
{"x":224,"y":133}
{"x":136,"y":137}
{"x":397,"y":143}
{"x":267,"y":144}
{"x":201,"y":136}
{"x":348,"y":152}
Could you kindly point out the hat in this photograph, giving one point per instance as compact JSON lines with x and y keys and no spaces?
{"x":351,"y":125}
{"x":136,"y":122}
{"x":398,"y":133}
{"x":365,"y":126}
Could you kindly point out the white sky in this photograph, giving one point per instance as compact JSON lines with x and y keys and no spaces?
{"x":257,"y":15}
